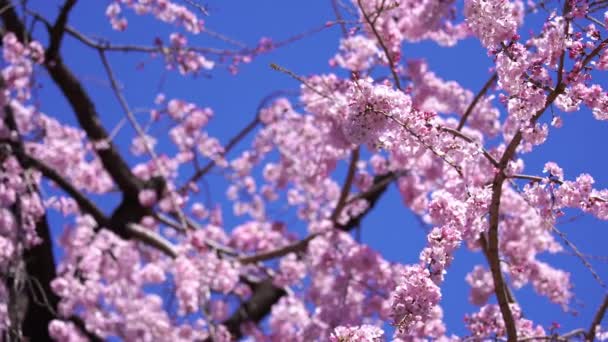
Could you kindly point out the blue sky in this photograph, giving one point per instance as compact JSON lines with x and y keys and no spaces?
{"x":577,"y":147}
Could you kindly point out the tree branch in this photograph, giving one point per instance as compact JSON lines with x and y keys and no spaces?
{"x":478,"y":97}
{"x":494,"y":259}
{"x":352,"y":167}
{"x":499,"y":179}
{"x":132,"y":229}
{"x":40,"y":302}
{"x":231,"y":143}
{"x":295,"y":247}
{"x":265,"y":294}
{"x":150,"y":238}
{"x":58,"y":30}
{"x":597,"y":319}
{"x":83,"y":107}
{"x":234,"y":140}
{"x":391,"y":62}
{"x":83,"y":202}
{"x":140,"y":132}
{"x":271,"y":294}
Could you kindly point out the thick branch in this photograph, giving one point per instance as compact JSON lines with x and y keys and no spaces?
{"x":265,"y":294}
{"x":350,"y":176}
{"x":494,"y":259}
{"x":40,"y":302}
{"x":89,"y":121}
{"x":151,"y":239}
{"x":83,"y":202}
{"x":372,"y":197}
{"x":499,"y":179}
{"x":83,"y":107}
{"x":58,"y":30}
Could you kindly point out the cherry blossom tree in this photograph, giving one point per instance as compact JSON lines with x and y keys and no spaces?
{"x":163,"y":265}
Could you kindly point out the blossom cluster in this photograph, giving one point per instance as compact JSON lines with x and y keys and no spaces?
{"x":164,"y":10}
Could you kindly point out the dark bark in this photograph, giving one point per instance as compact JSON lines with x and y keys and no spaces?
{"x":265,"y":294}
{"x":35,"y":306}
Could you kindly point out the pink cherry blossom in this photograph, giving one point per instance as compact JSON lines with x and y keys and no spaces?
{"x":174,"y":230}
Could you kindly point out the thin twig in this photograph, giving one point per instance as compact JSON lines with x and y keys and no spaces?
{"x":234,"y":140}
{"x":334,"y":5}
{"x":210,"y":243}
{"x":298,"y":78}
{"x":595,"y":20}
{"x":580,"y":255}
{"x":538,"y":179}
{"x":441,"y":155}
{"x":389,"y":57}
{"x":198,"y":6}
{"x":478,"y":97}
{"x":468,"y":139}
{"x":231,"y":143}
{"x":140,"y":132}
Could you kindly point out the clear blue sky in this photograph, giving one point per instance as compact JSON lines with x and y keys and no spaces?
{"x":578,"y":147}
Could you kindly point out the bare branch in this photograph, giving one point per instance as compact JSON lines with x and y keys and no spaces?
{"x":298,"y":78}
{"x":140,"y":132}
{"x":265,"y":294}
{"x":580,"y":255}
{"x":334,"y":5}
{"x":192,"y":225}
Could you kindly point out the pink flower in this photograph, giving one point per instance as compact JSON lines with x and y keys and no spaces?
{"x":147,"y":198}
{"x":493,"y":21}
{"x":362,"y":333}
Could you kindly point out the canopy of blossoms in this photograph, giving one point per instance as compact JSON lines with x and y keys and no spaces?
{"x":164,"y":266}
